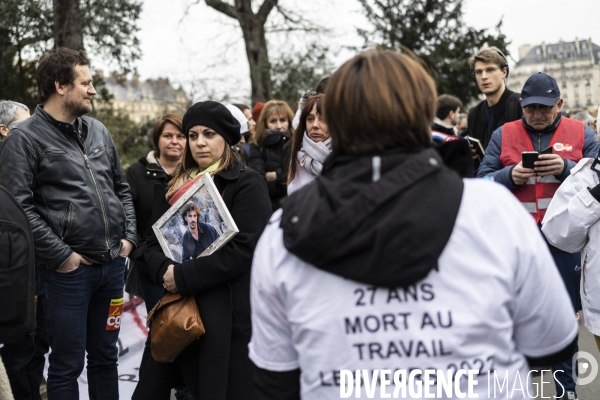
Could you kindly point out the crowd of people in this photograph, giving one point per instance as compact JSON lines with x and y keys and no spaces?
{"x":365,"y":240}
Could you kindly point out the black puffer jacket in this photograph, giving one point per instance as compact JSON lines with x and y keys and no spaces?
{"x":71,"y":185}
{"x":272,"y":157}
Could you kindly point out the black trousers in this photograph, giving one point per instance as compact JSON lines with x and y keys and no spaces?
{"x":157,"y":379}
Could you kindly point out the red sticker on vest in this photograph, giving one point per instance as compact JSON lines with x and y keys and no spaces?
{"x":113,"y":322}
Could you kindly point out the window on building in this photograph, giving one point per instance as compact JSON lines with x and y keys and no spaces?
{"x":576,"y":94}
{"x":575,"y":84}
{"x":588,"y":91}
{"x":563,"y":84}
{"x":589,"y":102}
{"x":587,"y":82}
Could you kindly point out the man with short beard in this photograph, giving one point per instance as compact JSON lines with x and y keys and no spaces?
{"x":64,"y":170}
{"x":198,"y":235}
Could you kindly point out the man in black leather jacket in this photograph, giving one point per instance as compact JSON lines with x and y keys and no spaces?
{"x":63,"y":168}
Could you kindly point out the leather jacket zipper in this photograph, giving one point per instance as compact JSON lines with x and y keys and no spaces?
{"x":67,"y":217}
{"x":89,"y":167}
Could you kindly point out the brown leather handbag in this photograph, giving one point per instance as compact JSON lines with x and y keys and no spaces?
{"x":175,"y":324}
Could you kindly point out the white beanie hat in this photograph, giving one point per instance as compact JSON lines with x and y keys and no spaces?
{"x":239,"y":115}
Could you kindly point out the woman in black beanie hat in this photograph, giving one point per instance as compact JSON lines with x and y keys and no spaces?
{"x":216,"y":366}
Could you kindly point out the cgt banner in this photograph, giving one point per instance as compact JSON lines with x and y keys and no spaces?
{"x":131,"y":345}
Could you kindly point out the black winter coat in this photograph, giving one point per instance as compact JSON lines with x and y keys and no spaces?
{"x":272,"y":157}
{"x":221,"y":283}
{"x":507,"y":109}
{"x":143,"y":177}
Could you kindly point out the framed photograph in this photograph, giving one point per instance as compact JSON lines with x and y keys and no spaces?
{"x":197,"y":225}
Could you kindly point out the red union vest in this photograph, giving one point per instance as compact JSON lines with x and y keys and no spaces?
{"x":537,"y":192}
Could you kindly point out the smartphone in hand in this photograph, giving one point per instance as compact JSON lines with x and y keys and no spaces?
{"x":530,"y":157}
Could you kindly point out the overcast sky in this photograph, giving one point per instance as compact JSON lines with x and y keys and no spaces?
{"x":203,"y":50}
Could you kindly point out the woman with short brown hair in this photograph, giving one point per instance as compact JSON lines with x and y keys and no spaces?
{"x":349,"y":275}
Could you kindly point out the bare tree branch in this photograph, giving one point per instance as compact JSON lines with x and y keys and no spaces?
{"x":288,"y":29}
{"x":292,"y":22}
{"x":287,"y":15}
{"x":265,"y":9}
{"x":223,"y":7}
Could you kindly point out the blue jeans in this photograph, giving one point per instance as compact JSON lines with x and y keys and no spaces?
{"x":24,"y":360}
{"x":569,"y":267}
{"x":84,"y":309}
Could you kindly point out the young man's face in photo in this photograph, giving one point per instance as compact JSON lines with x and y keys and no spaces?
{"x":192,"y":220}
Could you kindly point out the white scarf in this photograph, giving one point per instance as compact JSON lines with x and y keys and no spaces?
{"x":312,"y":155}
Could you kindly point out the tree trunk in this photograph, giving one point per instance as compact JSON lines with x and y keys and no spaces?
{"x":68,"y":24}
{"x":258,"y":58}
{"x":253,"y":30}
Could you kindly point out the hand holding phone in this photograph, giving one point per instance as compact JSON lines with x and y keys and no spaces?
{"x":530,"y":157}
{"x":550,"y":164}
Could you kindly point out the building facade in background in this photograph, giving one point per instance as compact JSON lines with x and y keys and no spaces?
{"x":575,"y":66}
{"x":146,"y":100}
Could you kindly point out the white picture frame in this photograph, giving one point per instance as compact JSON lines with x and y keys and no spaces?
{"x":171,"y":228}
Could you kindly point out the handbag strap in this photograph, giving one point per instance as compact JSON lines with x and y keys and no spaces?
{"x":151,"y":313}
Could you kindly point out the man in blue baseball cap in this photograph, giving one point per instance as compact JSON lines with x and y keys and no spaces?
{"x":555,"y":144}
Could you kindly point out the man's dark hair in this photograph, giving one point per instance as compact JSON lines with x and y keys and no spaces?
{"x":189,"y":207}
{"x":445,"y":104}
{"x":58,"y":65}
{"x":322,"y":85}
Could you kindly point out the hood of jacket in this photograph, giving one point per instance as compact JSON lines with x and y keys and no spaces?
{"x":379,"y":219}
